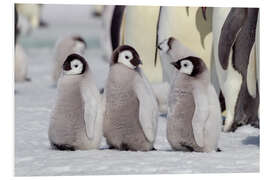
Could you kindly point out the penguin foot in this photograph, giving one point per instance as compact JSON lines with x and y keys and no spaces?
{"x":111,"y":147}
{"x":153,"y":149}
{"x":101,"y":91}
{"x":63,"y":147}
{"x":189,"y":148}
{"x":124,"y":147}
{"x":27,"y":79}
{"x":218,"y":150}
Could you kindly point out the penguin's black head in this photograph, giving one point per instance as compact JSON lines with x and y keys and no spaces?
{"x":190,"y":65}
{"x":126,"y":55}
{"x":80,"y":44}
{"x":166,"y":45}
{"x":74,"y":65}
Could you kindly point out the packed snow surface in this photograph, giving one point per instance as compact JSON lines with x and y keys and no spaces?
{"x":34,"y":101}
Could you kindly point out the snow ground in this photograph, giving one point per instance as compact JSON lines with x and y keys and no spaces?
{"x":33,"y":103}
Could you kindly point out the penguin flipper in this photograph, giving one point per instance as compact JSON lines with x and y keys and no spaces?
{"x":91,"y":101}
{"x":200,"y":114}
{"x":148,"y":111}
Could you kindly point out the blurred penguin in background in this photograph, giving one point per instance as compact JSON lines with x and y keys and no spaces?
{"x":236,"y":64}
{"x":105,"y":37}
{"x":64,"y":47}
{"x":192,"y":26}
{"x":31,"y":12}
{"x":97,"y":10}
{"x":21,"y":58}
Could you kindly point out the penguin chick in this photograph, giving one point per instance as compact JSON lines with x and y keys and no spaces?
{"x":194,"y":115}
{"x":76,"y":119}
{"x":170,"y":50}
{"x":64,"y":47}
{"x":131,"y":108}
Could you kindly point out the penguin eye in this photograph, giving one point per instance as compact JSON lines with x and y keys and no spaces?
{"x":76,"y":65}
{"x":126,"y":57}
{"x":185,"y":65}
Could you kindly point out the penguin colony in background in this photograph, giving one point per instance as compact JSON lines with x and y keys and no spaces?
{"x":27,"y":18}
{"x":170,"y":46}
{"x":21,"y":59}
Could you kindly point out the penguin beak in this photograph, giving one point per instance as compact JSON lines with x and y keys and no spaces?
{"x":174,"y":64}
{"x":159,"y":47}
{"x":140,"y":62}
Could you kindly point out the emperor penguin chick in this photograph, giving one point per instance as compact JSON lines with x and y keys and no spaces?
{"x":194,"y":115}
{"x":131,"y":113}
{"x":64,"y":47}
{"x":76,"y":120}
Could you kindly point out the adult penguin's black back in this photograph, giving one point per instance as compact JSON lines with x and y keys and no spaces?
{"x":116,"y":25}
{"x":246,"y":104}
{"x":16,"y":31}
{"x":239,"y":34}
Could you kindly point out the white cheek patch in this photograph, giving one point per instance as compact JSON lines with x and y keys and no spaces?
{"x":76,"y":68}
{"x":164,"y":45}
{"x":125,"y":57}
{"x":79,"y":47}
{"x":186,"y":67}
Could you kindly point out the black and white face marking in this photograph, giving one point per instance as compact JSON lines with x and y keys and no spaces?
{"x":126,"y":55}
{"x":186,"y":67}
{"x":74,"y":65}
{"x":191,"y":65}
{"x":166,"y":44}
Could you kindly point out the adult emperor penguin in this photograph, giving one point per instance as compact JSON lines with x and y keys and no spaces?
{"x":76,"y":119}
{"x":65,"y":46}
{"x":234,"y":31}
{"x":131,"y":113}
{"x":190,"y":25}
{"x":105,"y":37}
{"x":140,"y":32}
{"x":194,"y":116}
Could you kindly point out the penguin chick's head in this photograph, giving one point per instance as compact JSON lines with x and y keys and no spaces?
{"x":126,"y":55}
{"x":74,"y":65}
{"x":166,"y":45}
{"x":80,"y":44}
{"x":190,"y":65}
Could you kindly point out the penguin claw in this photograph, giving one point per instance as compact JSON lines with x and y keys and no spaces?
{"x":218,"y":150}
{"x":28,"y":79}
